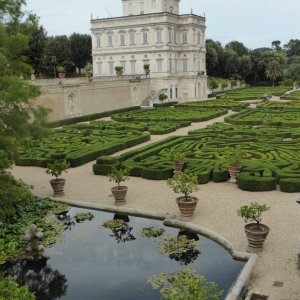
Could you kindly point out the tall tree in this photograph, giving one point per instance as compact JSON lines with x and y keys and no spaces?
{"x":231,"y":63}
{"x":273,"y":70}
{"x":16,"y":95}
{"x":245,"y":66}
{"x":238,"y":47}
{"x":81,"y":49}
{"x":292,"y":47}
{"x":36,"y":49}
{"x":276,"y":45}
{"x":58,"y":52}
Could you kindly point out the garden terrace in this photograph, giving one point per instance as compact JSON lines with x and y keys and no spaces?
{"x":170,"y":114}
{"x":292,"y":96}
{"x":228,"y":104}
{"x":253,"y":93}
{"x":290,"y":118}
{"x":271,"y":156}
{"x":79,"y":144}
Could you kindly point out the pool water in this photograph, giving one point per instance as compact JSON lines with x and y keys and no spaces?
{"x":93,"y":262}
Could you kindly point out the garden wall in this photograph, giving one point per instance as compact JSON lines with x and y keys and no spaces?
{"x":73,"y":98}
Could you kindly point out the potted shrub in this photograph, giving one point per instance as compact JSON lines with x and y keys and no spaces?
{"x":256,"y":232}
{"x":88,"y":69}
{"x":178,"y":160}
{"x":235,"y":166}
{"x":55,"y":169}
{"x":185,"y":183}
{"x":119,"y":70}
{"x":61,"y":72}
{"x":163,"y":97}
{"x":119,"y":192}
{"x":147,"y":69}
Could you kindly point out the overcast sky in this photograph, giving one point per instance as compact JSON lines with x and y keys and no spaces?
{"x":256,"y":23}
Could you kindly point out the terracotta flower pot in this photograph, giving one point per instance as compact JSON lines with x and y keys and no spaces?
{"x":187,"y":205}
{"x":58,"y":185}
{"x":119,"y":193}
{"x":234,"y":171}
{"x":178,"y":165}
{"x":256,"y":235}
{"x":62,"y":75}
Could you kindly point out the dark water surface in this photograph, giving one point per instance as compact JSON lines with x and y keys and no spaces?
{"x":95,"y":263}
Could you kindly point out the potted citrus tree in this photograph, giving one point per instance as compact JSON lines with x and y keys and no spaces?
{"x":256,"y":232}
{"x":235,"y":164}
{"x":178,"y":160}
{"x":56,"y":169}
{"x":119,"y":192}
{"x":119,"y":70}
{"x":147,"y":69}
{"x":88,"y":69}
{"x":61,"y":72}
{"x":186,"y":184}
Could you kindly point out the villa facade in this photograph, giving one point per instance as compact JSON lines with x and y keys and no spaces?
{"x":153,"y":32}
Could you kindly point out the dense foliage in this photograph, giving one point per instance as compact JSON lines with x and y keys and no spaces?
{"x":184,"y":285}
{"x":9,"y":290}
{"x":235,"y":60}
{"x":32,"y":211}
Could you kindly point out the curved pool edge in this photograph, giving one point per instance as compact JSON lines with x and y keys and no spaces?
{"x":238,"y":287}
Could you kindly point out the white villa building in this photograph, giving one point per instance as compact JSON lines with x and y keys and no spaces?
{"x":153,"y":32}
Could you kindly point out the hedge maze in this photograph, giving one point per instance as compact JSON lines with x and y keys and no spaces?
{"x":292,"y":96}
{"x":227,"y":103}
{"x":289,"y":118}
{"x":271,"y":157}
{"x":280,"y":105}
{"x":170,"y":114}
{"x":79,"y":144}
{"x":253,"y":93}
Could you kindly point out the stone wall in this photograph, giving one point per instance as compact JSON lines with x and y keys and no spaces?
{"x":71,"y":98}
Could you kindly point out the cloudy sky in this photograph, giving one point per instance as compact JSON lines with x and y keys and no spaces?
{"x":256,"y":23}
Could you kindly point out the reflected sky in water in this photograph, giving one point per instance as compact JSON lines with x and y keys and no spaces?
{"x":101,"y":264}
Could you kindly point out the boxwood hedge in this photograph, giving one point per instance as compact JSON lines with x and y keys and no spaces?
{"x":270,"y":155}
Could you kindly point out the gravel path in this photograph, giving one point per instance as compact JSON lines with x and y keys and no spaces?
{"x":216,"y":210}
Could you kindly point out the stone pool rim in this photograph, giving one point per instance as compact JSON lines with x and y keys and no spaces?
{"x":237,"y":288}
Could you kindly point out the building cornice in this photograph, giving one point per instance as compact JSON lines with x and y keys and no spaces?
{"x":132,"y":17}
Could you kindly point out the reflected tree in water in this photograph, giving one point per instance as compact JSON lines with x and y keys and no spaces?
{"x":121,"y":231}
{"x":184,"y":248}
{"x":46,"y":283}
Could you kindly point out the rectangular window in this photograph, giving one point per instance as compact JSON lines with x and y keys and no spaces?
{"x":130,"y":8}
{"x":176,"y":67}
{"x":184,"y":38}
{"x":132,"y":39}
{"x":199,"y":66}
{"x":199,"y":38}
{"x":170,"y":66}
{"x":132,"y":67}
{"x":98,"y":41}
{"x":99,"y":68}
{"x":153,"y":4}
{"x":145,"y":38}
{"x":185,"y":66}
{"x":110,"y":40}
{"x":175,"y":38}
{"x":122,"y":40}
{"x":159,"y":66}
{"x":123,"y":64}
{"x":111,"y":68}
{"x":158,"y":35}
{"x":142,"y":7}
{"x":170,"y":36}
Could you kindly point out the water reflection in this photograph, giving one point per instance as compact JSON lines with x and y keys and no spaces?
{"x":123,"y":234}
{"x":189,"y":256}
{"x":46,"y":283}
